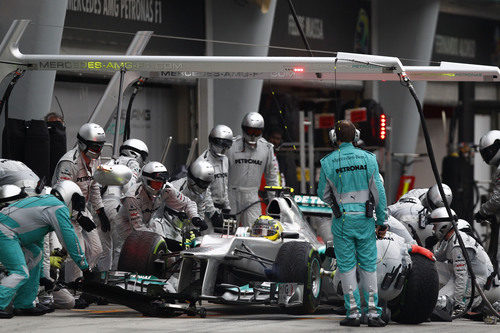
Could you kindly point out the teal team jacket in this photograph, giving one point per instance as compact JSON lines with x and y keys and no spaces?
{"x":30,"y":219}
{"x":349,"y":175}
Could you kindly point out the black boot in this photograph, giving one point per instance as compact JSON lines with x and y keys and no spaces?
{"x":348,"y":321}
{"x":80,"y":303}
{"x":37,"y":310}
{"x":7,"y":313}
{"x":376,"y":322}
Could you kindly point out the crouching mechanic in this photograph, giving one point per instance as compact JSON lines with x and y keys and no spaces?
{"x":144,"y":199}
{"x":454,"y":277}
{"x":350,"y":183}
{"x":219,"y":141}
{"x":249,"y":157}
{"x":79,"y":165}
{"x":196,"y":187}
{"x":133,"y":154}
{"x":23,"y":226}
{"x":430,"y":198}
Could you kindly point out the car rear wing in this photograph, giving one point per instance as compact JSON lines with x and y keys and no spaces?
{"x":312,"y":205}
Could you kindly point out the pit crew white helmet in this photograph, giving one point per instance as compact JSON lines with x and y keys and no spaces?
{"x":433,"y":197}
{"x":489,"y":147}
{"x":463,"y":225}
{"x":252,"y":126}
{"x":200,"y":175}
{"x":69,"y":193}
{"x":135,"y":148}
{"x":91,"y":139}
{"x":10,"y":193}
{"x":154,"y":177}
{"x":220,"y":139}
{"x":441,"y":221}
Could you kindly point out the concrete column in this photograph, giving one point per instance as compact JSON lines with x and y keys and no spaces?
{"x":406,"y":30}
{"x":206,"y":87}
{"x":32,"y":96}
{"x":238,"y":22}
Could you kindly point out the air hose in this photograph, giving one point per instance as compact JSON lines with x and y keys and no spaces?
{"x":136,"y":85}
{"x":405,"y":80}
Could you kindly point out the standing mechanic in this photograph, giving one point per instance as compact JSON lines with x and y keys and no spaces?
{"x":250,"y":156}
{"x":220,"y":140}
{"x":79,"y":165}
{"x":133,"y":154}
{"x":350,"y":183}
{"x":23,"y":226}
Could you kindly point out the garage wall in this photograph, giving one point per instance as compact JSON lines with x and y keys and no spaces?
{"x":154,"y":116}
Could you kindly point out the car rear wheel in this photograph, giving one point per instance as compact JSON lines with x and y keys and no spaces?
{"x":142,"y":253}
{"x":299,"y":262}
{"x":419,"y":295}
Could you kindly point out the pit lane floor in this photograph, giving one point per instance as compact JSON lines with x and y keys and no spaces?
{"x":115,"y":318}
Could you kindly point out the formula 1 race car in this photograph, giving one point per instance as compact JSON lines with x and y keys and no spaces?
{"x":293,"y":272}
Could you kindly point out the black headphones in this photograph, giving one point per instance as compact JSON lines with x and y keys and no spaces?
{"x":333,"y":134}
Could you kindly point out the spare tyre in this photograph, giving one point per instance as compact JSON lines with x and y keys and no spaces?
{"x":299,"y":262}
{"x":142,"y":253}
{"x":419,"y":295}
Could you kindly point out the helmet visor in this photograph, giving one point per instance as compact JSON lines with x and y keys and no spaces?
{"x":156,"y":184}
{"x":222,"y":143}
{"x":262,"y":229}
{"x":252,"y":131}
{"x":487,"y":153}
{"x":95,"y":147}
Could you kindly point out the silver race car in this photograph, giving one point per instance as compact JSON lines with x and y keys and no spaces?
{"x":295,"y":271}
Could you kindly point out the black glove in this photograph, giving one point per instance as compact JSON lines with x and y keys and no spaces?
{"x":87,"y":274}
{"x":47,"y":283}
{"x":217,"y":220}
{"x":105,"y":225}
{"x":199,"y":223}
{"x":487,"y":218}
{"x":87,"y":224}
{"x":226,"y":211}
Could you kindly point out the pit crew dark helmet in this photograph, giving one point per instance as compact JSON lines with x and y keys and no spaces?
{"x":252,"y":126}
{"x":91,"y":138}
{"x":220,"y":139}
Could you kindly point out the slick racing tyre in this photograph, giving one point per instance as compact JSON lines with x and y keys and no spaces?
{"x":419,"y":295}
{"x":140,"y":252}
{"x":299,"y":262}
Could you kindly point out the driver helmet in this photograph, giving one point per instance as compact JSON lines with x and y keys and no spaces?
{"x":220,"y":140}
{"x":433,"y":198}
{"x":10,"y":193}
{"x":442,"y":222}
{"x":135,"y":148}
{"x":91,"y":139}
{"x":252,"y":126}
{"x":154,"y":177}
{"x":200,"y":175}
{"x":71,"y":194}
{"x":489,"y":147}
{"x":267,"y":227}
